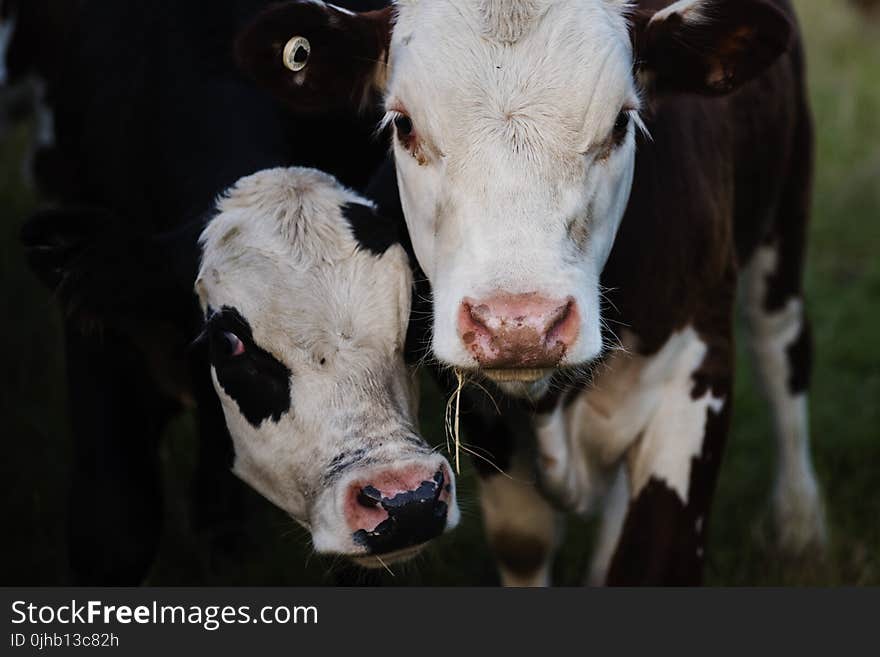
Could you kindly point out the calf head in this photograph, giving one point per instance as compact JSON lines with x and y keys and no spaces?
{"x":514,"y":130}
{"x":306,"y":297}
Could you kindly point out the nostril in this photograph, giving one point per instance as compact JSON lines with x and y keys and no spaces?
{"x":369,"y":497}
{"x":473,"y":320}
{"x":478,"y":314}
{"x":564,"y":324}
{"x":558,"y":317}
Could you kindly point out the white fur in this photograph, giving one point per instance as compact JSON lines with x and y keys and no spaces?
{"x":674,"y":434}
{"x":690,"y":11}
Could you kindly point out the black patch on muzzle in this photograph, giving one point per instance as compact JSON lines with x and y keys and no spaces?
{"x":414,"y":517}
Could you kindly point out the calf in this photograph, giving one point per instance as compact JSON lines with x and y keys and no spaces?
{"x":583,"y":181}
{"x":306,"y":327}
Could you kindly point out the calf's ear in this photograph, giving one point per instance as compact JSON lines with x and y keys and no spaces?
{"x":317,"y":57}
{"x":708,"y":47}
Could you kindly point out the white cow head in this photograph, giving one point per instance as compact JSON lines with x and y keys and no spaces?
{"x":306,"y":301}
{"x":515,"y":125}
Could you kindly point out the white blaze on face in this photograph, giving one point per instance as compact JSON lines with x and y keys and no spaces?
{"x":513,"y":177}
{"x":312,"y":380}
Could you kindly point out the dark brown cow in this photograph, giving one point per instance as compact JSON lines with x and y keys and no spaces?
{"x":530,"y":138}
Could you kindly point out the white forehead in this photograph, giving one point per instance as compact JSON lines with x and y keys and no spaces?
{"x":557,"y":72}
{"x":292,"y":213}
{"x":281,"y":252}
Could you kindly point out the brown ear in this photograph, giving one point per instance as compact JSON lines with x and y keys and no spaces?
{"x":316,"y":57}
{"x":708,"y":47}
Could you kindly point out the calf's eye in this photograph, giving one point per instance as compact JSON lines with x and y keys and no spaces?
{"x":230,"y":344}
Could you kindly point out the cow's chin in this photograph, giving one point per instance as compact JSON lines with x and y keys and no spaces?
{"x":374,"y":561}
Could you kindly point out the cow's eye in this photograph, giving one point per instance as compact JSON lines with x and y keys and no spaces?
{"x":407,"y":136}
{"x":230,"y":344}
{"x":403,"y":126}
{"x":621,"y":126}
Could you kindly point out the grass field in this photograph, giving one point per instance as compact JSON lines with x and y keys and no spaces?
{"x":843,"y":284}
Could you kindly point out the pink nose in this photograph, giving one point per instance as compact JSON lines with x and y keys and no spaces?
{"x":518,"y":330}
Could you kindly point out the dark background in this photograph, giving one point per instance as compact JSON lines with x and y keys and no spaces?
{"x":843,"y":282}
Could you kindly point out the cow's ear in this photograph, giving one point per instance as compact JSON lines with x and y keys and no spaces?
{"x":100,"y":269}
{"x":315,"y":56}
{"x":55,"y":238}
{"x":708,"y":47}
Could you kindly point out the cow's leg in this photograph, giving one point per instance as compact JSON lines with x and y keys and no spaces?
{"x":673,"y":466}
{"x":614,"y":510}
{"x":779,"y":340}
{"x":522,"y":528}
{"x":780,"y":344}
{"x":117,"y":417}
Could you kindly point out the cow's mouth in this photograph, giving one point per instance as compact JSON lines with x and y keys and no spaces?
{"x":374,"y":561}
{"x":517,"y":375}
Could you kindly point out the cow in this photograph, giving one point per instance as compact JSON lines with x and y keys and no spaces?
{"x":148,"y":132}
{"x":584,"y":183}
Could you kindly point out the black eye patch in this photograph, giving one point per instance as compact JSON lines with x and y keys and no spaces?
{"x":257,"y":381}
{"x":373,"y":232}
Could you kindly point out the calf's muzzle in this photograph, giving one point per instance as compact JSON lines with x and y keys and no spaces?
{"x":398,"y":509}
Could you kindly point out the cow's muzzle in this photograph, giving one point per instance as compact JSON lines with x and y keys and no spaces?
{"x":518,"y":336}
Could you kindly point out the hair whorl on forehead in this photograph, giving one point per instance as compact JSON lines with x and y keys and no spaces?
{"x":290,"y":210}
{"x":508,"y":20}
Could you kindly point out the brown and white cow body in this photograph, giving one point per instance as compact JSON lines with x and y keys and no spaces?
{"x":584,"y":182}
